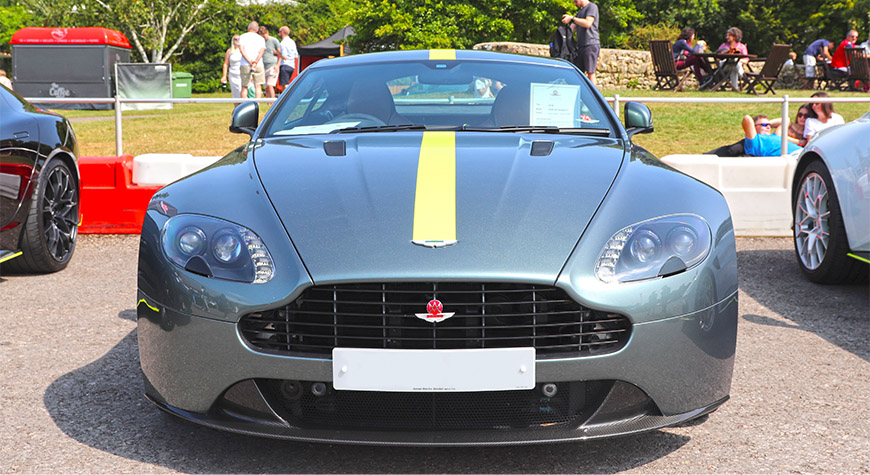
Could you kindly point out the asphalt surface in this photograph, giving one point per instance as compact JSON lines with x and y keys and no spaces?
{"x":71,"y":396}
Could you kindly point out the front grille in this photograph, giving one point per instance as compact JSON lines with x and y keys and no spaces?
{"x":382,"y":315}
{"x":573,"y":403}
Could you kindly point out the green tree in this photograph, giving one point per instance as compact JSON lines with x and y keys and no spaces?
{"x":157,"y":28}
{"x":13,"y":17}
{"x":617,"y":19}
{"x":202,"y":52}
{"x":390,"y":24}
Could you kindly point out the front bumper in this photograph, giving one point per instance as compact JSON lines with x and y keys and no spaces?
{"x":671,"y":370}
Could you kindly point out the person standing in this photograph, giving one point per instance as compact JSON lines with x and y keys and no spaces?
{"x":252,"y":47}
{"x":588,"y":43}
{"x":288,"y":57}
{"x":232,"y":68}
{"x":817,"y":50}
{"x":270,"y":61}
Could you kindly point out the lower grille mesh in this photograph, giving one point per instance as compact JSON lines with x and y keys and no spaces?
{"x":383,"y":315}
{"x":573,"y":403}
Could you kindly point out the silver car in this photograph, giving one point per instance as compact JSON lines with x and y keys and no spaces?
{"x":831,"y":204}
{"x":488,"y":261}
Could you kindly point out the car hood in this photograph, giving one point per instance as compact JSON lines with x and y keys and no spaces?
{"x":517,"y":216}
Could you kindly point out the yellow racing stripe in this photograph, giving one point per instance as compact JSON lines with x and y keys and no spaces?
{"x":435,"y":200}
{"x":436,"y":54}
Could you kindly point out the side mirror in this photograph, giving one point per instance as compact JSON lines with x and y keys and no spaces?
{"x":245,"y":118}
{"x":638,"y":119}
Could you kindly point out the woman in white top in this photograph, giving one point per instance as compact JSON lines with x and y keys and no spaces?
{"x":825,"y":117}
{"x":232,"y":61}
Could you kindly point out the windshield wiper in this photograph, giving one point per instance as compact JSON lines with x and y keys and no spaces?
{"x":538,"y":129}
{"x":546,"y":129}
{"x":379,"y":128}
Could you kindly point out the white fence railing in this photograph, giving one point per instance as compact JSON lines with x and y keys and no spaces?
{"x":616,"y":102}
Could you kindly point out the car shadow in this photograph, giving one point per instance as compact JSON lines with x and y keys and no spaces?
{"x":102,"y":405}
{"x":838,"y":313}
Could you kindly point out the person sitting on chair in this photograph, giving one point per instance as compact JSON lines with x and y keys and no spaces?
{"x":839,"y":61}
{"x":683,"y":48}
{"x":732,"y":45}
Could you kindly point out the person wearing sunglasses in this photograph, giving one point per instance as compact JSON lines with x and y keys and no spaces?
{"x":796,"y":128}
{"x":761,"y":139}
{"x":231,"y":69}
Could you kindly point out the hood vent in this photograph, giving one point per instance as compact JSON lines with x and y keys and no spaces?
{"x":541,"y":148}
{"x":336,"y":148}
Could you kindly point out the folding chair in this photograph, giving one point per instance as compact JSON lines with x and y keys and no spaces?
{"x":769,"y":72}
{"x":667,"y":76}
{"x":859,"y":69}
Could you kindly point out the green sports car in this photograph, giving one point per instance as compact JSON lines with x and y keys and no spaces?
{"x":489,"y":260}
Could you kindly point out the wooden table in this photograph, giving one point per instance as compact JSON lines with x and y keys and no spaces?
{"x":713,"y":60}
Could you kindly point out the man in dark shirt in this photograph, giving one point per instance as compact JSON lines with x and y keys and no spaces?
{"x":585,"y":21}
{"x":817,"y":50}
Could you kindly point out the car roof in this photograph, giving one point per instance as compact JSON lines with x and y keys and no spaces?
{"x":436,"y":54}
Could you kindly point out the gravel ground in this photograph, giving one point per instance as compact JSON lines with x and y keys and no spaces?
{"x":71,"y":397}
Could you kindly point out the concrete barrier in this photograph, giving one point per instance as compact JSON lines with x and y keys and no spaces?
{"x":116,"y":190}
{"x":758,"y":189}
{"x":163,"y":168}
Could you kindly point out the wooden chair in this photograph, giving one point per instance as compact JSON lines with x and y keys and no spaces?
{"x":667,"y":76}
{"x":859,"y":69}
{"x":769,"y":72}
{"x":835,"y":80}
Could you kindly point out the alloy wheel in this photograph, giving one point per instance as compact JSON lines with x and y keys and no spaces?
{"x":811,"y":221}
{"x":58,"y":213}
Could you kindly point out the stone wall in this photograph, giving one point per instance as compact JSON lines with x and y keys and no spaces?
{"x":617,"y":68}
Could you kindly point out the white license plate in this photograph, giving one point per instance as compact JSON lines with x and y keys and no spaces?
{"x":497,"y":369}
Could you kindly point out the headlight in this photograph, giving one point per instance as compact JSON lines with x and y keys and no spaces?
{"x":216,"y":248}
{"x":656,"y":248}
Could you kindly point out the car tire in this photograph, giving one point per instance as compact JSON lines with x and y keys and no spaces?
{"x":820,"y":238}
{"x":48,"y":237}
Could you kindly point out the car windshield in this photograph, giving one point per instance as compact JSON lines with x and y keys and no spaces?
{"x":484,"y":95}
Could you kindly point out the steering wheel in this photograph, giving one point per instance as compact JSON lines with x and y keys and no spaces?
{"x":365,"y":119}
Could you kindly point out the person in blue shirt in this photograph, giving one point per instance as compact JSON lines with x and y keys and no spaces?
{"x":760,"y":139}
{"x":817,"y":50}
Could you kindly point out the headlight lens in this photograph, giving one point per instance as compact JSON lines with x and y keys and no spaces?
{"x":640,"y":251}
{"x":217,"y":248}
{"x":192,"y":241}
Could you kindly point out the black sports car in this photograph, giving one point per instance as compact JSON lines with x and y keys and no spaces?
{"x":39,"y":187}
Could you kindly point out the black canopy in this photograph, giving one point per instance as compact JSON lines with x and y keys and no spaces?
{"x":329,"y":46}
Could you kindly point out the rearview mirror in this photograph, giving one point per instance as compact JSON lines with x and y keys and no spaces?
{"x":245,"y":118}
{"x":638,"y":119}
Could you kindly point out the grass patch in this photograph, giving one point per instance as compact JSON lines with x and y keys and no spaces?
{"x":202,"y":129}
